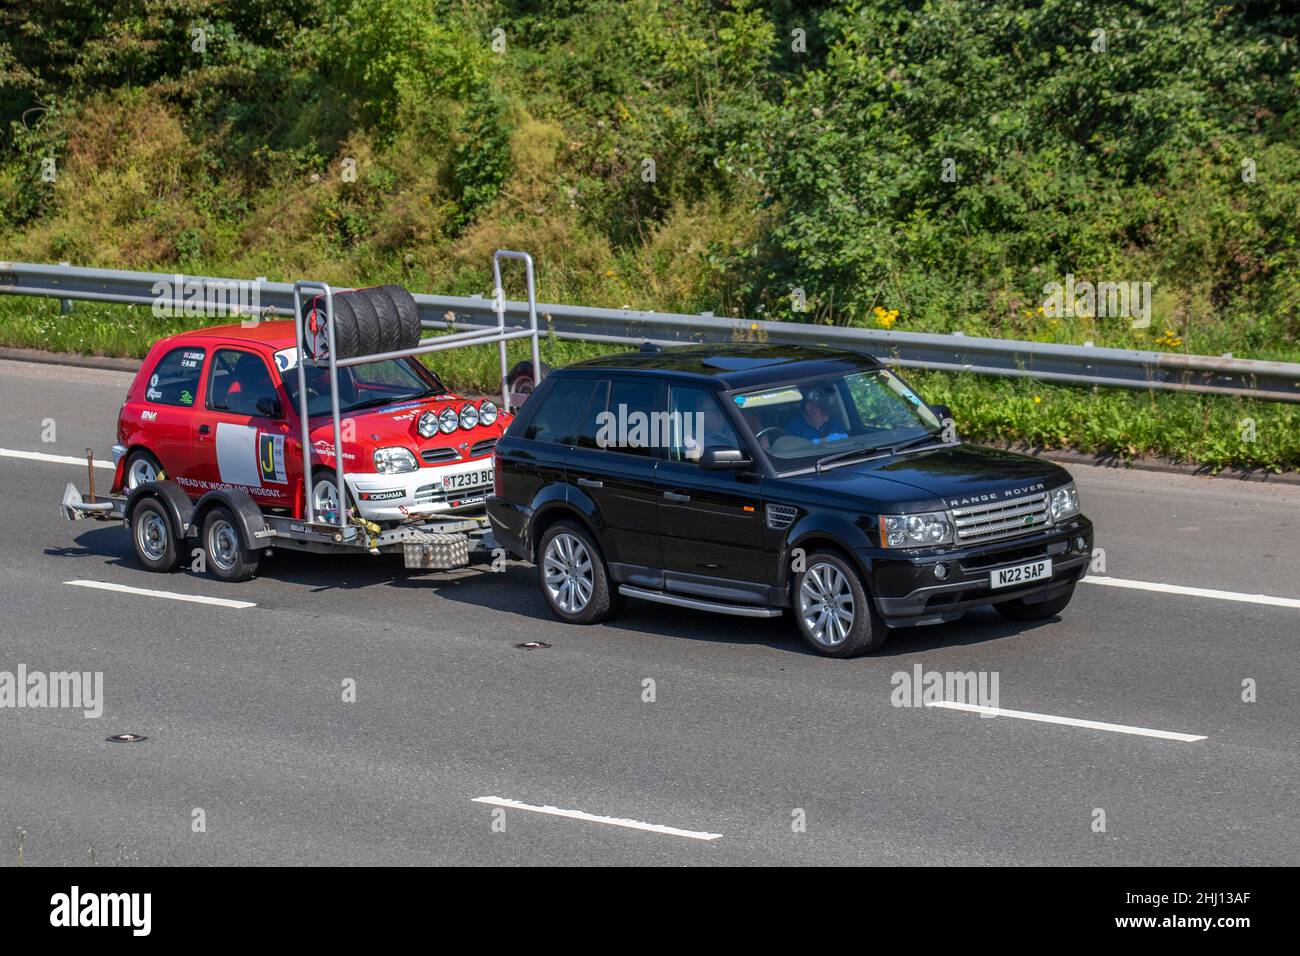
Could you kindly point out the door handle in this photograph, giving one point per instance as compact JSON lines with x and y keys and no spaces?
{"x":591,"y":483}
{"x":674,"y":496}
{"x":204,"y":429}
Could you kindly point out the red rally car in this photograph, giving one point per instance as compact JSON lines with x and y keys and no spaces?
{"x":218,"y":408}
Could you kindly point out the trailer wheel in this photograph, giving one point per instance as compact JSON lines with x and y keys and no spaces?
{"x":155,"y":544}
{"x":228,"y":555}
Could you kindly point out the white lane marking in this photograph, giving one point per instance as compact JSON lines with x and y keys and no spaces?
{"x":170,"y":595}
{"x":593,"y":818}
{"x":1068,"y":721}
{"x":56,"y":459}
{"x":1194,"y":592}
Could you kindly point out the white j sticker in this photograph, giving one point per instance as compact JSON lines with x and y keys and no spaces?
{"x":237,"y":455}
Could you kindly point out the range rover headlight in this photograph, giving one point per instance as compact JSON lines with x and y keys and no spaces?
{"x":487,"y":412}
{"x":428,"y":425}
{"x":394,"y":461}
{"x":468,"y":416}
{"x":1065,"y":502}
{"x":915,"y":531}
{"x":448,"y":421}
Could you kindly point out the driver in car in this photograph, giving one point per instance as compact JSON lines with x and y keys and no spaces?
{"x":811,"y":422}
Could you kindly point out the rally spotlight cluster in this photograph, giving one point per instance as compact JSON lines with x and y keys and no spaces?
{"x":448,"y":420}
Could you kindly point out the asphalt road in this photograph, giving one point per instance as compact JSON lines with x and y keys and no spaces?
{"x":747,"y":735}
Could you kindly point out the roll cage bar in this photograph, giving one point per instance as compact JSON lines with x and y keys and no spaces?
{"x":436,"y":343}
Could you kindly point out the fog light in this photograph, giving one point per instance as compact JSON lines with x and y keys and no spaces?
{"x":941,"y":571}
{"x":1081,"y":543}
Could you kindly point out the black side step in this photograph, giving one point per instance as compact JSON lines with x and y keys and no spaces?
{"x":699,"y":604}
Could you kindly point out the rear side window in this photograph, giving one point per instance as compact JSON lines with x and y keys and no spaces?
{"x":630,"y":424}
{"x":175,"y":379}
{"x":556,"y":421}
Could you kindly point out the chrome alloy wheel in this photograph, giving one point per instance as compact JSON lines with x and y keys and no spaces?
{"x":568,"y":573}
{"x":826,"y":604}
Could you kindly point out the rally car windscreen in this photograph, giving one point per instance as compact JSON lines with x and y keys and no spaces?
{"x":799,"y":424}
{"x":360,"y":386}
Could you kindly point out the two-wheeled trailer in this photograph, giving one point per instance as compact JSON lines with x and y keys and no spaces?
{"x":234,"y":532}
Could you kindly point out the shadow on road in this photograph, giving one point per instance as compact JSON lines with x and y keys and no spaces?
{"x":514,"y":590}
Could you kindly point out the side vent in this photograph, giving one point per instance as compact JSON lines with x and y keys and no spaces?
{"x":780,"y":517}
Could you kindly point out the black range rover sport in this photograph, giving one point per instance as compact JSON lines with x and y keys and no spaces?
{"x":754,"y":479}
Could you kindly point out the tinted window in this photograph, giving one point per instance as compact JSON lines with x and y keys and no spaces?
{"x":175,"y":379}
{"x":237,"y":382}
{"x":589,"y":427}
{"x":630,"y":424}
{"x":556,"y":421}
{"x":696,"y":422}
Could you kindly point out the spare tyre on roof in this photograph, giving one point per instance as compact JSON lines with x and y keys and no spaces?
{"x":366,"y":322}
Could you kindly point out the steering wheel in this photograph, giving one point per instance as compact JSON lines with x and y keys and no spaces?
{"x":765,"y":432}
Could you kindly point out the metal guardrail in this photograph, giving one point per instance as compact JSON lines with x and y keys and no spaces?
{"x":1075,"y":364}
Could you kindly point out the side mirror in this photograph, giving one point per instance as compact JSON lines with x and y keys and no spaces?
{"x":268,"y":406}
{"x":723,"y":457}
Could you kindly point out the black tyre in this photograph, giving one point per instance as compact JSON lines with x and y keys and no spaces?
{"x":228,"y":556}
{"x":385,"y":318}
{"x":1019,"y":610}
{"x":347,"y":337}
{"x":832,"y":609}
{"x":141,"y":467}
{"x":152,"y":537}
{"x":406,"y":329}
{"x":370,"y":339}
{"x":573,"y":576}
{"x":520,"y":381}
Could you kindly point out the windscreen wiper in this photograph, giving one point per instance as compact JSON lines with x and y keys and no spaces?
{"x":875,"y":451}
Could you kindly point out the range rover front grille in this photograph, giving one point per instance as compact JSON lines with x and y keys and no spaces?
{"x":1001,"y":519}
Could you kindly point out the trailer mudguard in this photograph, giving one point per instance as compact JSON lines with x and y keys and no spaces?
{"x":180,"y":509}
{"x":247,"y":514}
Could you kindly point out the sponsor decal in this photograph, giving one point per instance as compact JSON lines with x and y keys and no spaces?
{"x":148,"y":416}
{"x":270,"y":457}
{"x":382,"y":495}
{"x":187,"y":398}
{"x":286,"y":359}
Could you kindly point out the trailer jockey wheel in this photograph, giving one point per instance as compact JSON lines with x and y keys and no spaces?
{"x":155,"y":545}
{"x":228,"y":555}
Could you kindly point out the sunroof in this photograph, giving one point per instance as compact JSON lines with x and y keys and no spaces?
{"x":738,"y":363}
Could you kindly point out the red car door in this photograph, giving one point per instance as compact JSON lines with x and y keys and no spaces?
{"x":241,"y":433}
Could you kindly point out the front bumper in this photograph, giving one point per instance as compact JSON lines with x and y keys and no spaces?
{"x":420,"y":492}
{"x":908,"y":593}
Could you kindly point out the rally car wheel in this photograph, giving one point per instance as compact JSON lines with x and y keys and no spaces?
{"x":833,"y":610}
{"x":141,"y":468}
{"x":521,"y":381}
{"x":572,"y":573}
{"x":151,"y":535}
{"x":223,"y":545}
{"x":325,"y":495}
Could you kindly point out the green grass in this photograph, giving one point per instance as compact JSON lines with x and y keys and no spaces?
{"x":1213,"y":431}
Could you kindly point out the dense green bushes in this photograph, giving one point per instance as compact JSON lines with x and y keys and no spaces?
{"x":924,"y":165}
